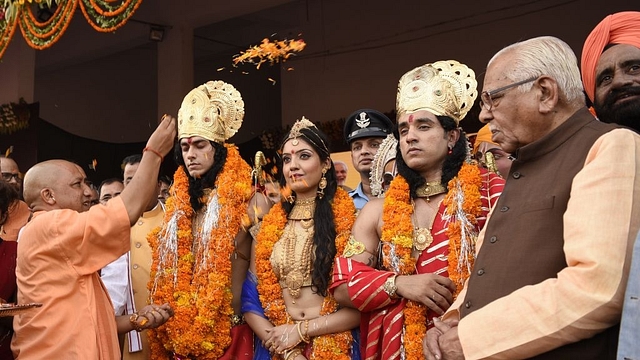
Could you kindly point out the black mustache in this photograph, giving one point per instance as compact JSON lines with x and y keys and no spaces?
{"x":620,"y":92}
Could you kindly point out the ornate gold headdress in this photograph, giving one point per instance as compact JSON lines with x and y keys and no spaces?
{"x":295,"y":133}
{"x":386,"y":152}
{"x":445,"y":88}
{"x":213,"y":111}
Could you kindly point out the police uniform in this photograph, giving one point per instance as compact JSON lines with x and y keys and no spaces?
{"x":365,"y":123}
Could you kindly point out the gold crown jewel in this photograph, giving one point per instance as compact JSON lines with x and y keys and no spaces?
{"x":295,"y":133}
{"x":214,"y":111}
{"x":445,"y":88}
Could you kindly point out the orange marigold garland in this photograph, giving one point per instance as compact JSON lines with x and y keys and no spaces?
{"x":198,"y":286}
{"x":463,"y":206}
{"x":333,"y":346}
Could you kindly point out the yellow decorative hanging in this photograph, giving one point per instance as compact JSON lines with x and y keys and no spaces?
{"x":102,"y":15}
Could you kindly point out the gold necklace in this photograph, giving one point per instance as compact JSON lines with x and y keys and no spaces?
{"x":430,"y":189}
{"x":422,"y":237}
{"x":295,"y":271}
{"x":303,"y":209}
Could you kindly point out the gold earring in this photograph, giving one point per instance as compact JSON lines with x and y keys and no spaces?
{"x":322,"y":184}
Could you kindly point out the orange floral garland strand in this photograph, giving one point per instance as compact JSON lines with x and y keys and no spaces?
{"x":463,"y":234}
{"x":332,"y":346}
{"x":202,"y":300}
{"x":397,"y":241}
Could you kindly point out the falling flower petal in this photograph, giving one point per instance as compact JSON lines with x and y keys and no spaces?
{"x":269,"y":51}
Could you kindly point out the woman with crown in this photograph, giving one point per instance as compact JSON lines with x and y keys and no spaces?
{"x":285,"y":297}
{"x":201,"y":254}
{"x":410,"y":253}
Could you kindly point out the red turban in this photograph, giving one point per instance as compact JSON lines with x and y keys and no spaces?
{"x":618,"y":28}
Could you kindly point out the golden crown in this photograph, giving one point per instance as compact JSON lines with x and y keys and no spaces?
{"x":386,"y":152}
{"x":445,"y":88}
{"x":213,"y":111}
{"x":303,"y":123}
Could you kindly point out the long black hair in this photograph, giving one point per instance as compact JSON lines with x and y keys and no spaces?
{"x":452,"y":163}
{"x":8,"y":198}
{"x":198,"y":185}
{"x":324,"y":235}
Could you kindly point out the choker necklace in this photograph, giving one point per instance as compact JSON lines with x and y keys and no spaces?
{"x":430,"y":189}
{"x":303,"y":209}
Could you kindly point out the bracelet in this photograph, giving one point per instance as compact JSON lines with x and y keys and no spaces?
{"x":306,"y":330}
{"x":291,"y":354}
{"x":390,"y":287}
{"x":133,"y":320}
{"x":153,"y":151}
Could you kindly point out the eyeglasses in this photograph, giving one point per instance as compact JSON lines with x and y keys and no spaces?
{"x":7,"y":176}
{"x":486,"y":98}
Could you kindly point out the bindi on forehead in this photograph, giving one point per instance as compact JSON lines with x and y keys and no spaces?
{"x":411,"y":118}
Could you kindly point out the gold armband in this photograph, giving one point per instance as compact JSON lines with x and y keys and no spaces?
{"x":237,"y":320}
{"x":353,"y":247}
{"x":390,"y":287}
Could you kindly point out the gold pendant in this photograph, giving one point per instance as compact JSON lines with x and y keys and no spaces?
{"x":294,"y":282}
{"x":422,"y":238}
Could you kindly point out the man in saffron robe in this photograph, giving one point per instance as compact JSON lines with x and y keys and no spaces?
{"x":61,"y":250}
{"x":411,"y":251}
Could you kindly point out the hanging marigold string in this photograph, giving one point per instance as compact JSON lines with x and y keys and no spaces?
{"x":102,"y":15}
{"x":111,"y":10}
{"x":41,"y":35}
{"x":332,"y":346}
{"x":198,"y":284}
{"x":7,"y":29}
{"x":111,"y":19}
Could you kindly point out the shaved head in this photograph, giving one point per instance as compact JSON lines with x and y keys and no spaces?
{"x":56,"y":184}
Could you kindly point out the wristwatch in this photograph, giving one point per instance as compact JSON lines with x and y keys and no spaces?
{"x":390,"y":286}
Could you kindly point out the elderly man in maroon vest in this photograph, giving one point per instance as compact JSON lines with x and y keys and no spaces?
{"x":550,"y":274}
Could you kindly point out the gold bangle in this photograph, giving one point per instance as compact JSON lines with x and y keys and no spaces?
{"x":291,"y":354}
{"x":306,"y":327}
{"x":306,"y":337}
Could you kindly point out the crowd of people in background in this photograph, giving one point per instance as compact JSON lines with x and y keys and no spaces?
{"x":518,"y":242}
